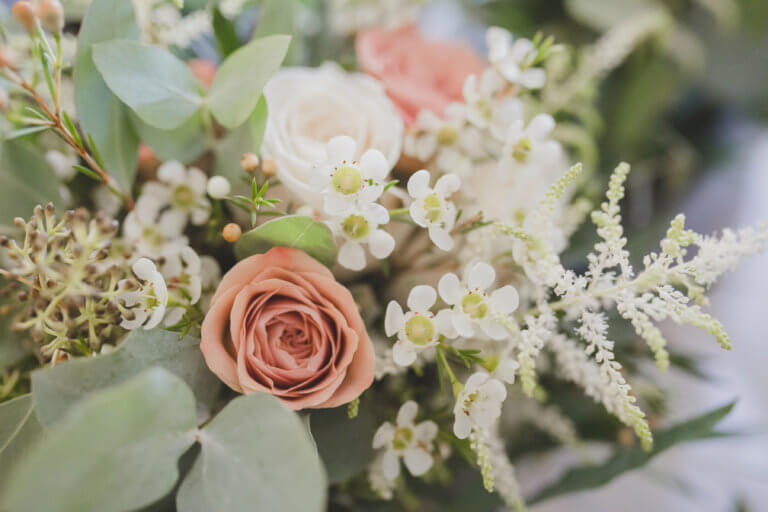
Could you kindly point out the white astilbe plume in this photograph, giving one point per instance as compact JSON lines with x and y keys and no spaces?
{"x":550,"y":419}
{"x":503,"y":472}
{"x":532,"y":339}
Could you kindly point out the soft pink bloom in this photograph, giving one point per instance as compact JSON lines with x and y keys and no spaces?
{"x":418,"y":74}
{"x":280,"y":323}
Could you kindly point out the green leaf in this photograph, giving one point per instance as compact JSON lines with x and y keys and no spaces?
{"x":279,"y":17}
{"x":344,"y":444}
{"x":311,"y":236}
{"x":26,"y":180}
{"x":30,"y":130}
{"x":246,"y":138}
{"x":99,"y":111}
{"x":601,"y":16}
{"x":256,"y":455}
{"x":19,"y":430}
{"x":158,"y":86}
{"x":225,"y":33}
{"x":185,"y":143}
{"x":56,"y":389}
{"x":633,"y":457}
{"x":116,"y":451}
{"x":239,"y":81}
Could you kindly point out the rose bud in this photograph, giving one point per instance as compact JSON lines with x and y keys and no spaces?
{"x":24,"y":12}
{"x":51,"y":15}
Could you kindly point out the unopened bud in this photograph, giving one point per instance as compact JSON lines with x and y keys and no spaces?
{"x":249,"y":162}
{"x":7,"y":57}
{"x":231,"y":232}
{"x":218,"y":187}
{"x":51,"y":15}
{"x":24,"y":12}
{"x":269,"y":167}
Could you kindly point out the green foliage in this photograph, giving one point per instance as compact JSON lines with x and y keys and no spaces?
{"x":246,"y":138}
{"x":158,"y":86}
{"x":634,"y":457}
{"x":256,"y":456}
{"x":239,"y":81}
{"x":311,"y":236}
{"x":56,"y":389}
{"x":99,"y":111}
{"x":344,"y":443}
{"x":225,"y":33}
{"x":26,"y":180}
{"x":185,"y":143}
{"x":279,"y":17}
{"x":19,"y":430}
{"x":116,"y":451}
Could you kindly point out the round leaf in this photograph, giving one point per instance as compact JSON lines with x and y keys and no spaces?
{"x":344,"y":443}
{"x":297,"y":232}
{"x":19,"y":430}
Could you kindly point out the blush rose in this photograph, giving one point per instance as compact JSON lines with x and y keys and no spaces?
{"x":280,"y":323}
{"x":418,"y":74}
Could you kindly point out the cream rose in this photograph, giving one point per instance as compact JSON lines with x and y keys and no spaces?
{"x":309,"y":106}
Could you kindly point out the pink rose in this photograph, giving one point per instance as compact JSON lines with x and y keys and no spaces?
{"x":279,"y":323}
{"x":418,"y":74}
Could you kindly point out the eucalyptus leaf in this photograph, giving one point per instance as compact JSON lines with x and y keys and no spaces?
{"x":601,"y":16}
{"x":239,"y":81}
{"x":158,"y":86}
{"x":26,"y":180}
{"x":280,"y":17}
{"x":117,"y":450}
{"x":297,"y":232}
{"x":185,"y":143}
{"x":344,"y":443}
{"x":19,"y":431}
{"x":256,"y":456}
{"x":633,"y":457}
{"x":225,"y":33}
{"x":246,"y":138}
{"x":99,"y":111}
{"x":56,"y":389}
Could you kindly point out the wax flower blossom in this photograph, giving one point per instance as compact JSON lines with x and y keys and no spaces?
{"x":182,"y":189}
{"x":345,"y":182}
{"x":358,"y":227}
{"x":513,"y":60}
{"x":144,"y":306}
{"x":406,"y":440}
{"x":418,"y":329}
{"x":431,"y":208}
{"x":184,"y":281}
{"x":478,"y":404}
{"x":529,"y":147}
{"x":472,"y":306}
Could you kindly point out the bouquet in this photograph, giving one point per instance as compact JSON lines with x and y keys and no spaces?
{"x":235,"y":282}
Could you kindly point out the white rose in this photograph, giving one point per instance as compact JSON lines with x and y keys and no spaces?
{"x":309,"y":106}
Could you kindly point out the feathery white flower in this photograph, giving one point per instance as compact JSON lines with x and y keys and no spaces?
{"x":146,"y":304}
{"x":513,"y":60}
{"x":478,"y":404}
{"x":472,"y":306}
{"x":431,"y":208}
{"x":406,"y":440}
{"x":418,"y":329}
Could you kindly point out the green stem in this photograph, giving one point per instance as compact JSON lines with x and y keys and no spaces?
{"x":399,"y":211}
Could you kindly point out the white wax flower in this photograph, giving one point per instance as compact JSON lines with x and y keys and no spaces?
{"x":407,"y":440}
{"x":358,"y":227}
{"x":431,"y":208}
{"x":513,"y":59}
{"x":179,"y":188}
{"x":309,"y":106}
{"x":478,"y":404}
{"x":146,"y":304}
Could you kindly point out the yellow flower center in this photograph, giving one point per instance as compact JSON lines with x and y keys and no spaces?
{"x":474,"y":305}
{"x":521,"y":150}
{"x":183,"y":197}
{"x":433,"y":207}
{"x":347,"y":180}
{"x":403,"y":438}
{"x":419,"y":330}
{"x":356,"y":227}
{"x":447,"y":135}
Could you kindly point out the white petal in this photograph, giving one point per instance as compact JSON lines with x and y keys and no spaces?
{"x":481,"y":276}
{"x":520,"y":49}
{"x":407,"y":413}
{"x":463,"y":324}
{"x":336,"y":204}
{"x":381,"y":244}
{"x":469,"y":89}
{"x":417,"y":461}
{"x":444,"y":323}
{"x":493,"y":329}
{"x":144,"y":269}
{"x":540,"y":126}
{"x":171,"y":172}
{"x":421,"y":298}
{"x":376,"y":213}
{"x":441,"y":238}
{"x":417,"y":214}
{"x":403,"y":353}
{"x":475,"y":381}
{"x":505,"y":300}
{"x":341,"y":149}
{"x":495,"y":390}
{"x":157,"y":316}
{"x":499,"y":42}
{"x":426,"y":431}
{"x":373,"y":164}
{"x":352,"y":256}
{"x":390,"y":465}
{"x":462,"y":426}
{"x":371,"y":192}
{"x":447,"y":185}
{"x":450,"y":288}
{"x":140,"y":317}
{"x":394,"y":320}
{"x":418,"y":184}
{"x":319,"y":178}
{"x":533,"y":78}
{"x":384,"y":435}
{"x":173,"y":316}
{"x":197,"y":180}
{"x":172,"y":223}
{"x":507,"y":370}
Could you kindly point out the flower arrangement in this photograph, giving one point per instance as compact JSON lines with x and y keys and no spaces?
{"x":248,"y":285}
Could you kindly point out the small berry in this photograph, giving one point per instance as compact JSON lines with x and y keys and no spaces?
{"x":24,"y":12}
{"x":231,"y":232}
{"x":269,"y":167}
{"x":249,"y":162}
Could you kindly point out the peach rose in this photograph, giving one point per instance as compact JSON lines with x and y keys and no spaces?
{"x":418,"y":74}
{"x":279,"y":323}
